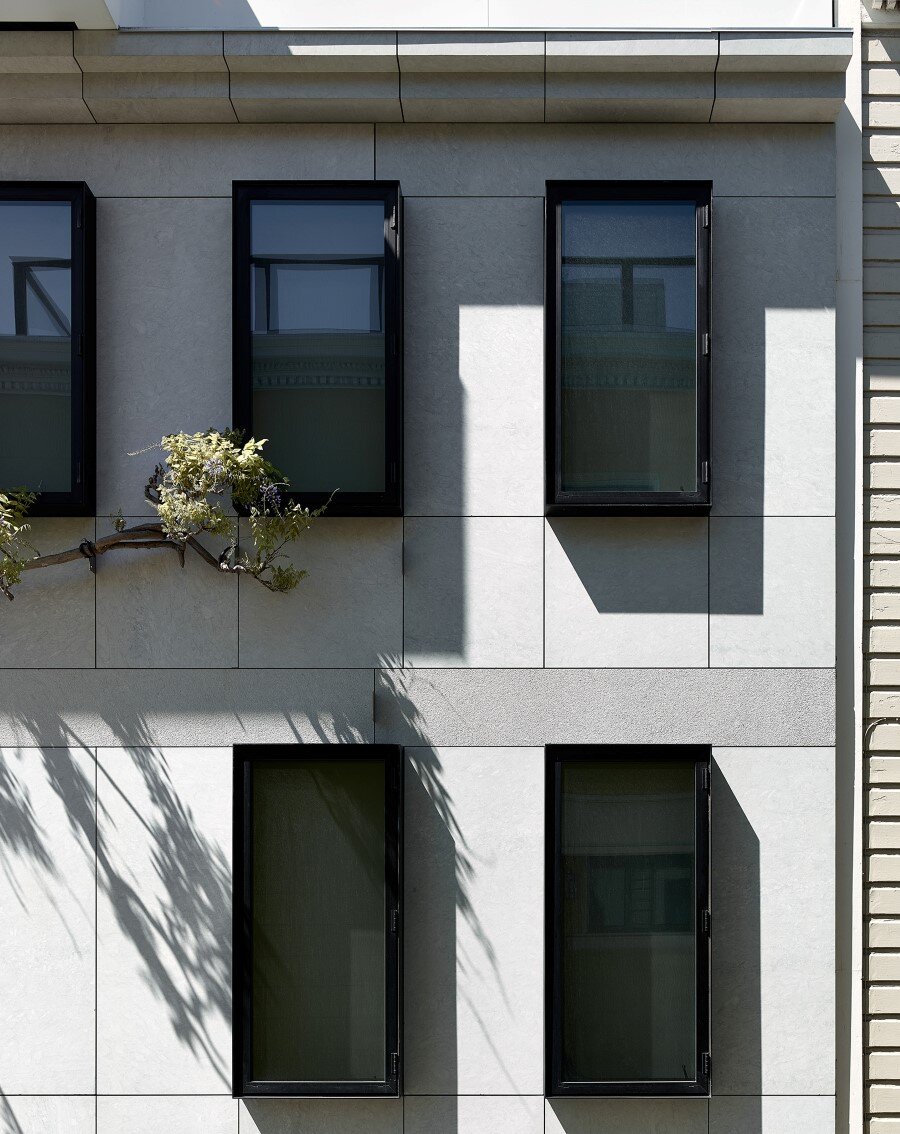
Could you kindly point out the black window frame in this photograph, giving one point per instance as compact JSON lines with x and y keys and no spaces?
{"x":555,"y":755}
{"x":243,"y":1086}
{"x":560,"y":502}
{"x":80,"y":500}
{"x":390,"y":501}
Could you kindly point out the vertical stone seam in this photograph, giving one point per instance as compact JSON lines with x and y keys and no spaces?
{"x":716,"y":74}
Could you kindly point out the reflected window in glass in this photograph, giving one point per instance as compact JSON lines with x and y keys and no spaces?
{"x":317,"y":364}
{"x":627,"y":950}
{"x":318,"y":979}
{"x":628,"y":348}
{"x":46,"y":372}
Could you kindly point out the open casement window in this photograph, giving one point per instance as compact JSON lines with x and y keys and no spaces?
{"x":317,"y":838}
{"x":318,"y":338}
{"x":47,"y":287}
{"x":627,"y":347}
{"x":627,"y":933}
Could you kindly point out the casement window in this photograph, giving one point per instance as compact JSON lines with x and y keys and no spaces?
{"x":627,"y":347}
{"x":47,"y":287}
{"x":317,"y":846}
{"x":317,"y":337}
{"x":627,"y":933}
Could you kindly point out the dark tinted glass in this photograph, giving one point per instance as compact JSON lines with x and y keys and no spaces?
{"x":36,"y":345}
{"x":318,"y":341}
{"x":628,"y":327}
{"x":318,"y":930}
{"x":628,"y":922}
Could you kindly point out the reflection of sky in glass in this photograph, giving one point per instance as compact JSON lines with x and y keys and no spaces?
{"x":326,"y":291}
{"x":33,"y":231}
{"x":631,"y":230}
{"x":308,"y":228}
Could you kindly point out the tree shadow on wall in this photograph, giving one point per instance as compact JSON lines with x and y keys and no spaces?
{"x":179,"y":924}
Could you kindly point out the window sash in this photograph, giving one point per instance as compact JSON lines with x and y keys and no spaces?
{"x":390,"y":756}
{"x":556,"y":756}
{"x":80,"y":499}
{"x":558,"y":500}
{"x":250,"y":308}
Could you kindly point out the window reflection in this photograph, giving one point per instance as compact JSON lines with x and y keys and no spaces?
{"x":628,"y":330}
{"x":35,"y":345}
{"x":318,"y":342}
{"x":629,"y":915}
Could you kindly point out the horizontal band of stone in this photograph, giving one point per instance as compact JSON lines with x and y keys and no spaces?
{"x":136,"y":76}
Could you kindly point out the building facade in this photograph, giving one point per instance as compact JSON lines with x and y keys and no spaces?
{"x":493,"y":615}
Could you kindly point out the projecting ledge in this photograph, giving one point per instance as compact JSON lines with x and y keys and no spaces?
{"x":478,"y":76}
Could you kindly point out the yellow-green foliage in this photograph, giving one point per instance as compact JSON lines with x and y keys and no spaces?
{"x":14,"y":546}
{"x":204,"y":470}
{"x":191,"y":490}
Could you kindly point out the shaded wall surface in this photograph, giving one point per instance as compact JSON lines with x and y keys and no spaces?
{"x":472,"y":630}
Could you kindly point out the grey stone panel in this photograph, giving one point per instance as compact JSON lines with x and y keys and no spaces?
{"x":517,"y":160}
{"x":50,"y":622}
{"x":192,"y":707}
{"x":626,"y":1116}
{"x":152,"y":613}
{"x":324,"y":1116}
{"x":164,"y":918}
{"x":634,"y":706}
{"x":473,"y":357}
{"x":772,"y":849}
{"x":772,"y":319}
{"x":185,"y":161}
{"x":473,"y":922}
{"x":348,"y":612}
{"x":164,"y":335}
{"x":47,"y":933}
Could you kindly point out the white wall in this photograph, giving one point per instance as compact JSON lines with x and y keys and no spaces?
{"x":291,"y":14}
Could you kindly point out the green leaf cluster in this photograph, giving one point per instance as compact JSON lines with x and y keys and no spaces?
{"x":15,"y":548}
{"x":201,"y":473}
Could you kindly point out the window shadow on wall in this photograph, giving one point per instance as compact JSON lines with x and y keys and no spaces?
{"x":473,"y":288}
{"x":736,"y":965}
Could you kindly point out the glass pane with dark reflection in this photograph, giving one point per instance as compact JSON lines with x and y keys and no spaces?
{"x":628,"y":330}
{"x":318,"y":921}
{"x":628,"y":921}
{"x":318,"y":341}
{"x":36,"y":345}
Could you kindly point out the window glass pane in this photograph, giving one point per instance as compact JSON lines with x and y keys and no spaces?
{"x":36,"y":345}
{"x":318,"y":341}
{"x":318,"y":929}
{"x":628,"y":330}
{"x":628,"y":921}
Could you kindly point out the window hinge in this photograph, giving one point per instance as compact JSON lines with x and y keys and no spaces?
{"x":705,"y":1064}
{"x":704,"y":472}
{"x":393,"y":472}
{"x":78,"y":472}
{"x":394,"y":218}
{"x":705,"y":343}
{"x":394,"y":345}
{"x":78,"y":221}
{"x":80,"y":344}
{"x":395,"y":1063}
{"x":395,"y":921}
{"x":704,"y":216}
{"x":704,"y":776}
{"x":705,"y":922}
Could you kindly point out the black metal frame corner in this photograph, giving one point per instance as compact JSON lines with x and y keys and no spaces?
{"x":81,"y":499}
{"x":390,"y":501}
{"x":563,"y":502}
{"x":554,"y":1085}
